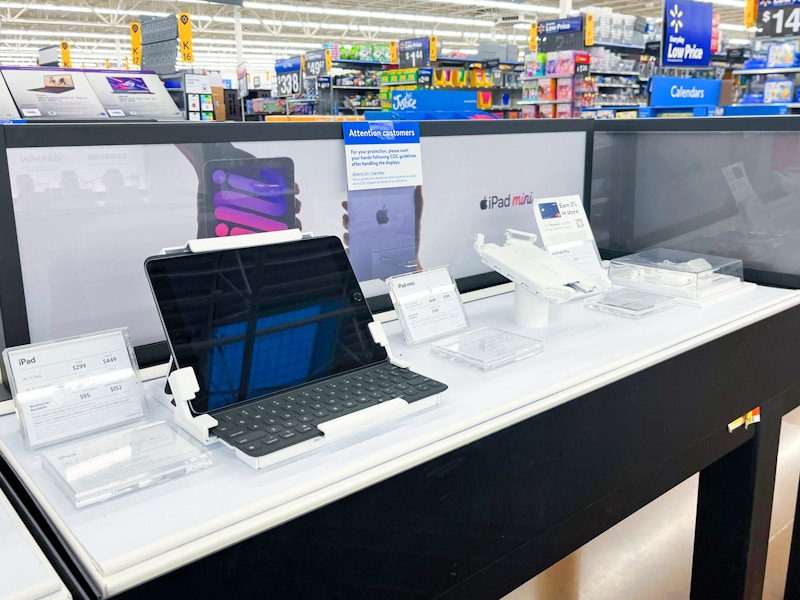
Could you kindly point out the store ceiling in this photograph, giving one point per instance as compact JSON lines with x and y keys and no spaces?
{"x":98,"y":29}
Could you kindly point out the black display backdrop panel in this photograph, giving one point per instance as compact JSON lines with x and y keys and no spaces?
{"x":722,"y":186}
{"x":94,"y":175}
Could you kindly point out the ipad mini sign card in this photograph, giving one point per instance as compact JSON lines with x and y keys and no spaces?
{"x":687,"y":30}
{"x":382,"y":154}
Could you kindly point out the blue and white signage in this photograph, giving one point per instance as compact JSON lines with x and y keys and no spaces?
{"x":382,"y":154}
{"x":560,"y":26}
{"x":682,"y":91}
{"x":687,"y":34}
{"x":434,"y":100}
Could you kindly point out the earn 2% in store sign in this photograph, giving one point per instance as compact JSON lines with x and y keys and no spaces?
{"x":382,"y":154}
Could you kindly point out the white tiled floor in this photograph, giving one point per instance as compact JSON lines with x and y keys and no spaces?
{"x":649,"y":555}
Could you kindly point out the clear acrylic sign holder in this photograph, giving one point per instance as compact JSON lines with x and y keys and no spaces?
{"x":428,"y":304}
{"x":82,"y":398}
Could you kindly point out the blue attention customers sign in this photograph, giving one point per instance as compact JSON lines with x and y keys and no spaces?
{"x":687,"y":34}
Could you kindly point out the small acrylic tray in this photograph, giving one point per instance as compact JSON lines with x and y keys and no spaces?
{"x":487,"y":348}
{"x":677,"y":273}
{"x":633,"y":304}
{"x":97,"y":469}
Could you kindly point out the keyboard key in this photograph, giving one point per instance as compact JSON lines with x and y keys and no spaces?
{"x":228,"y":431}
{"x":305,"y":418}
{"x":331,"y":401}
{"x":288,"y":435}
{"x":289,"y":423}
{"x":250,"y":437}
{"x":303,"y":428}
{"x":348,"y":404}
{"x":366,"y":399}
{"x":302,"y":410}
{"x":255,"y":426}
{"x":268,"y":441}
{"x":335,"y":409}
{"x":321,"y":413}
{"x":253,"y":447}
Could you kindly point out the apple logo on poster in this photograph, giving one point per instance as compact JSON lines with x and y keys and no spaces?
{"x":484,"y":204}
{"x":382,"y":216}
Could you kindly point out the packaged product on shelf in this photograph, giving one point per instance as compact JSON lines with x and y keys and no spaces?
{"x":781,"y":55}
{"x":564,"y":111}
{"x":547,"y":111}
{"x":547,"y":89}
{"x":365,"y":52}
{"x":530,"y":111}
{"x":380,"y":53}
{"x":566,"y":63}
{"x":551,"y":64}
{"x":778,"y":90}
{"x":564,"y":89}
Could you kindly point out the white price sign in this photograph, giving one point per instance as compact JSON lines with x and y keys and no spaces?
{"x":73,"y":387}
{"x":428,"y":304}
{"x":288,"y":84}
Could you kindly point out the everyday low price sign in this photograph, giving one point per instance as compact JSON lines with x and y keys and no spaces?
{"x":687,"y":34}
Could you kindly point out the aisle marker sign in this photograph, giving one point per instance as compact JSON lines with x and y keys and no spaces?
{"x":686,"y":35}
{"x":136,"y":42}
{"x":382,"y":154}
{"x":66,"y":59}
{"x":185,"y":37}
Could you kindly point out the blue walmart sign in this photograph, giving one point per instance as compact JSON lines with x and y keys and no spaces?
{"x":687,"y":34}
{"x":682,"y":91}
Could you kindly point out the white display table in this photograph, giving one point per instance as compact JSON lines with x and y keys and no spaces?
{"x":125,"y":542}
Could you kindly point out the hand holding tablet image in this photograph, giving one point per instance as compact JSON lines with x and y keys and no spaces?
{"x":382,"y":231}
{"x":239,"y":193}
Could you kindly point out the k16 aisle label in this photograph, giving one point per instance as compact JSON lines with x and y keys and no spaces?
{"x":382,"y":154}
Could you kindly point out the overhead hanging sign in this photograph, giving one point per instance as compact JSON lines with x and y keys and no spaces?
{"x":288,"y":77}
{"x":66,"y":59}
{"x":185,"y":37}
{"x":136,"y":43}
{"x":778,"y":18}
{"x":687,"y":29}
{"x":417,"y":52}
{"x":560,"y":34}
{"x":382,"y":154}
{"x":317,"y":63}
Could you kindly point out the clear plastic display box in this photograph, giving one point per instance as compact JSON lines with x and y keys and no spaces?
{"x":677,"y":273}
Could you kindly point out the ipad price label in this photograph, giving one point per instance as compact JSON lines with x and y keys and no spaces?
{"x":428,"y":304}
{"x":73,"y":387}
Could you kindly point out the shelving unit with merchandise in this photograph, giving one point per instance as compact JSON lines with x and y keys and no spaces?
{"x":773,"y":79}
{"x":355,"y":78}
{"x":554,"y":85}
{"x":618,"y":43}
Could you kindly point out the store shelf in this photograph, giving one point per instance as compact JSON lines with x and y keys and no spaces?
{"x":620,"y":46}
{"x":356,"y":108}
{"x":617,"y":85}
{"x":524,"y":102}
{"x":611,"y":105}
{"x":481,"y":62}
{"x":355,"y":87}
{"x":500,"y":107}
{"x":558,"y":76}
{"x":786,"y":104}
{"x":362,"y":63}
{"x":772,"y":71}
{"x":621,"y":73}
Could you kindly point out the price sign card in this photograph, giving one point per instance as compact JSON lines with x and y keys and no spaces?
{"x":566,"y":234}
{"x":427,"y":303}
{"x":76,"y":386}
